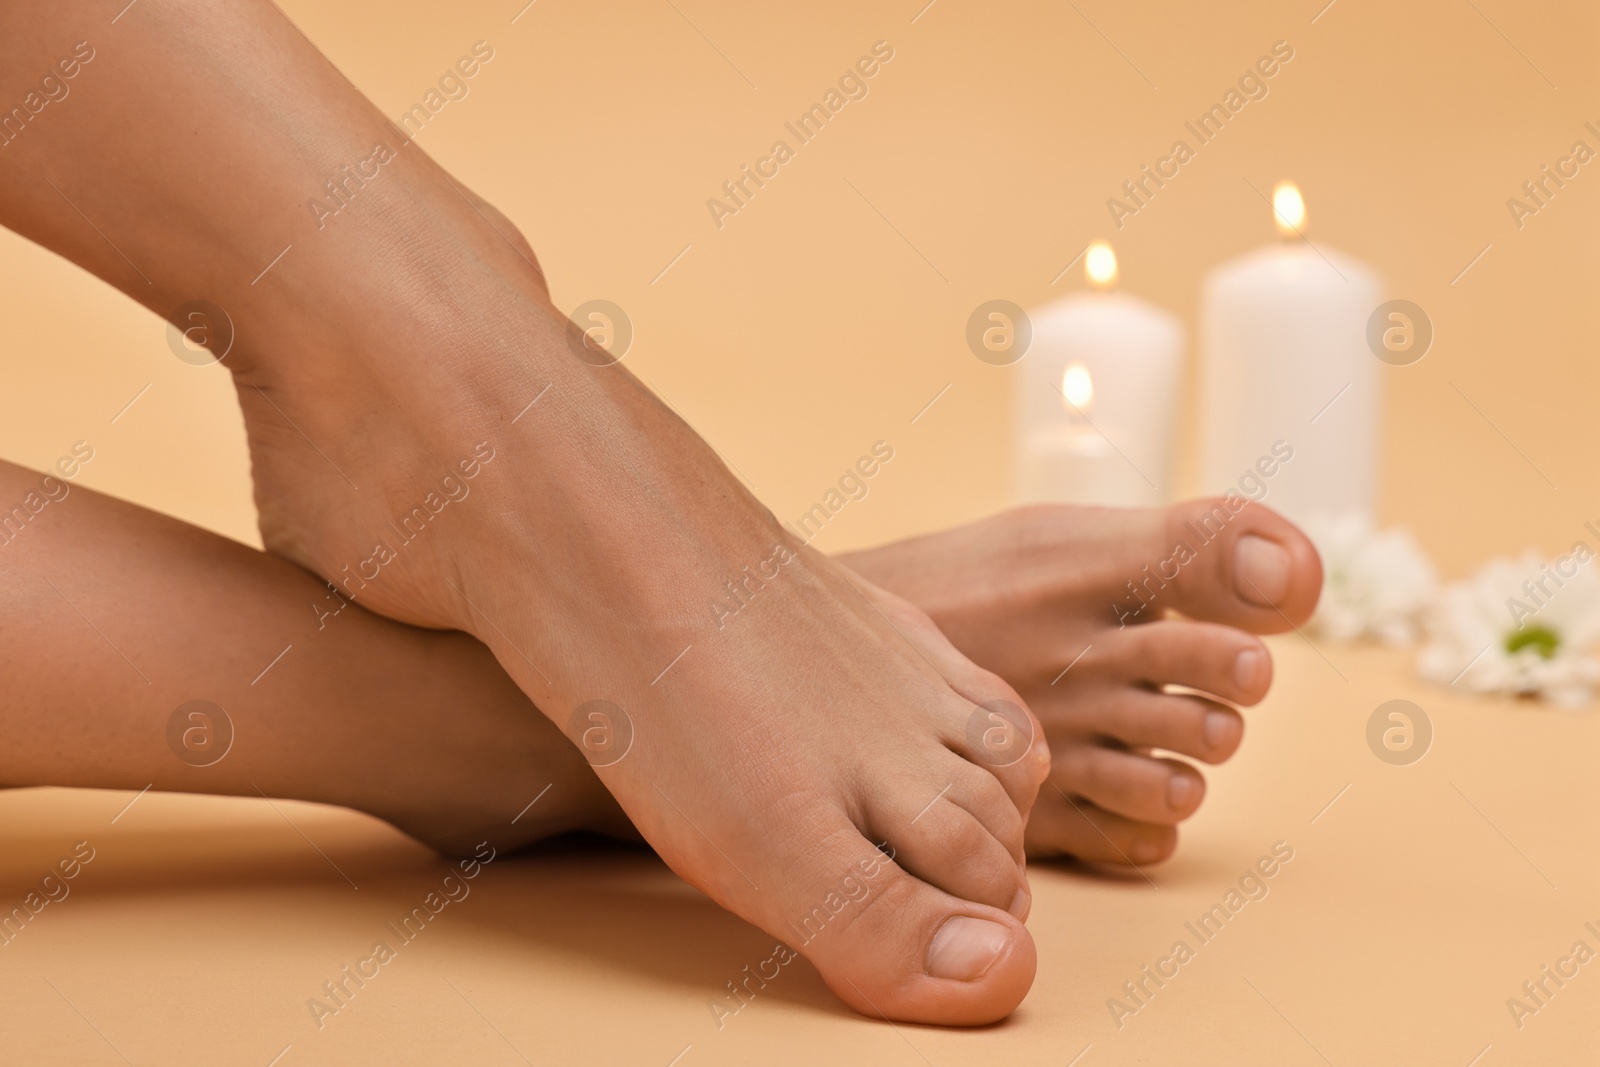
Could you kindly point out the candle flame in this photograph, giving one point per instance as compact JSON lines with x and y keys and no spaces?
{"x":1100,"y":265}
{"x":1077,"y":386}
{"x":1289,"y":209}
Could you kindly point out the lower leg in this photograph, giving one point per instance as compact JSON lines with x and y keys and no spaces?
{"x":126,"y":616}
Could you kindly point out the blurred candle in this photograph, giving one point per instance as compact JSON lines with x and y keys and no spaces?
{"x":1283,"y":357}
{"x":1096,"y":394}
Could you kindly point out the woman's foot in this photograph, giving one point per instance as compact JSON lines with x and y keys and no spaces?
{"x":1071,"y":606}
{"x":431,"y":437}
{"x":427,"y":435}
{"x":1039,"y":595}
{"x":450,"y":460}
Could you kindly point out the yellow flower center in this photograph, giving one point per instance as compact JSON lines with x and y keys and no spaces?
{"x":1539,"y":638}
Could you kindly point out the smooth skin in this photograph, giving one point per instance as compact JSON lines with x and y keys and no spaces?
{"x":388,"y":360}
{"x":391,"y":358}
{"x":115,"y":617}
{"x":1069,"y":605}
{"x":422,"y":729}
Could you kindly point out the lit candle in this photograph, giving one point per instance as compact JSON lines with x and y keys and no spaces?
{"x":1096,"y":394}
{"x":1284,"y":358}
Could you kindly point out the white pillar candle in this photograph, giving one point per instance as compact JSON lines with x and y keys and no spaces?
{"x":1284,"y":358}
{"x":1096,"y":395}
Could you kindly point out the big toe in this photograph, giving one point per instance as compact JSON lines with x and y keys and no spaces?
{"x":911,"y":952}
{"x":1233,"y":561}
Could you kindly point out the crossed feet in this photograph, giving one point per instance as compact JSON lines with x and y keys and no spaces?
{"x":431,"y":436}
{"x":1041,"y":597}
{"x":459,"y":464}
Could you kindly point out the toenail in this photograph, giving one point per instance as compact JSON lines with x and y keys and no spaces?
{"x":1260,"y":570}
{"x":1145,"y":851}
{"x":1247,"y":669}
{"x":1218,"y":729}
{"x":1181,"y":791}
{"x":965,"y":948}
{"x":1020,"y":904}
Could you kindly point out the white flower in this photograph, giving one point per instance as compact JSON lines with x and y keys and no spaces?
{"x":1376,"y":584}
{"x":1520,"y":627}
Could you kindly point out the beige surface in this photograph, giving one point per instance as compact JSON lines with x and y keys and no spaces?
{"x":1395,"y":935}
{"x":814,"y":323}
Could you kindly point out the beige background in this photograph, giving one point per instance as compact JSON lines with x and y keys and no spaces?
{"x":822,"y":318}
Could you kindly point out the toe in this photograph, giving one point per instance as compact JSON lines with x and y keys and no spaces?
{"x":1132,"y":717}
{"x":1244,"y":565}
{"x":982,"y":796}
{"x":1063,"y":826}
{"x":996,"y":730}
{"x":1144,"y":788}
{"x":949,"y":848}
{"x":1221,"y":660}
{"x":1003,"y":737}
{"x":909,"y":951}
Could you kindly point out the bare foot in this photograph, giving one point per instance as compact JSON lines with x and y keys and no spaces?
{"x":427,"y":434}
{"x":1071,"y":606}
{"x":1020,"y":591}
{"x":451,"y":460}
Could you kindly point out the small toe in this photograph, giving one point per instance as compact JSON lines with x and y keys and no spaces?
{"x":1221,"y":660}
{"x":1185,"y":723}
{"x":949,"y":848}
{"x":1143,"y":788}
{"x":1065,"y":826}
{"x":995,"y":730}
